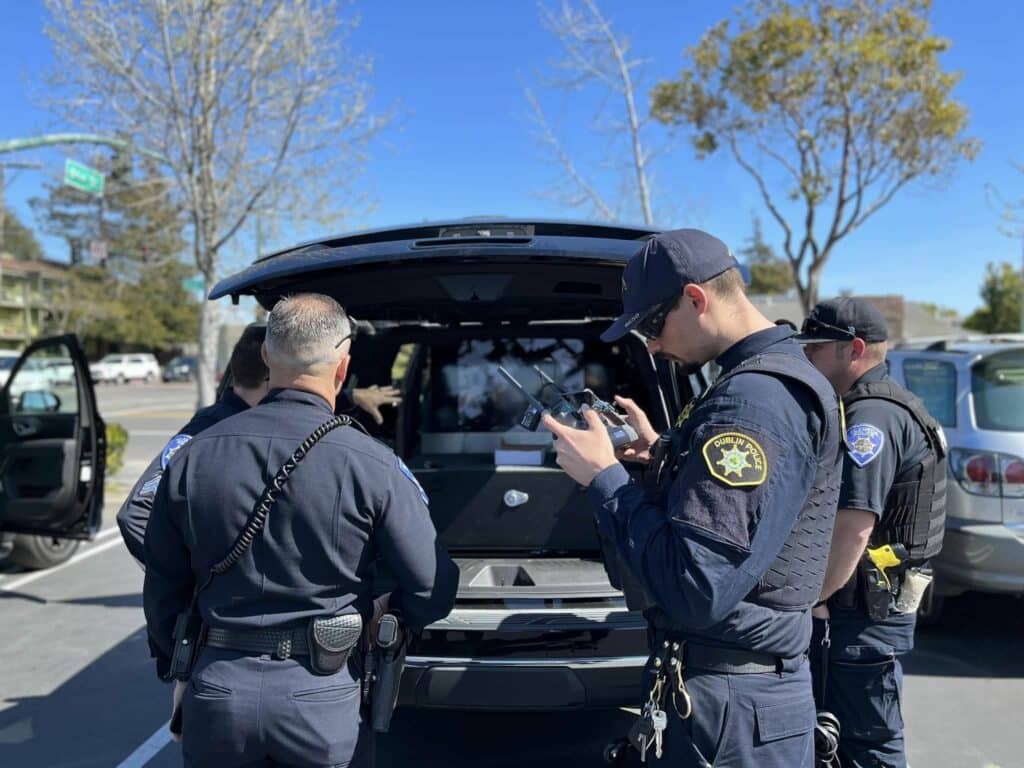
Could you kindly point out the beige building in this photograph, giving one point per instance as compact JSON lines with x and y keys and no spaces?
{"x":32,"y":295}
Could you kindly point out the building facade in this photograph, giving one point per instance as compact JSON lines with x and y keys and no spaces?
{"x":33,"y":297}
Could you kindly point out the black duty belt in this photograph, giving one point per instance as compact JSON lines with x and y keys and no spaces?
{"x":734,"y":661}
{"x":280,"y":643}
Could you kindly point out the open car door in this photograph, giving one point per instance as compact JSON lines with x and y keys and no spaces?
{"x":52,"y":444}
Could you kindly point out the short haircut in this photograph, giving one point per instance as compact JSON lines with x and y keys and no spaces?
{"x":876,"y":350}
{"x":727,"y":285}
{"x":304,"y":331}
{"x":246,"y":365}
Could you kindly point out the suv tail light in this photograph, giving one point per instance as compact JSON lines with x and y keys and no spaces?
{"x":985,"y":473}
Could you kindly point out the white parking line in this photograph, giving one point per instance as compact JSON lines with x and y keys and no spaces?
{"x":149,"y":748}
{"x":94,"y":550}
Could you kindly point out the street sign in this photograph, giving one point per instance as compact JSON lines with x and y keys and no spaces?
{"x":83,"y":177}
{"x":193,"y":284}
{"x":98,"y":250}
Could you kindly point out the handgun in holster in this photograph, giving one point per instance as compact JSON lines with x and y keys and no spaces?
{"x":880,"y":569}
{"x":385,"y":670}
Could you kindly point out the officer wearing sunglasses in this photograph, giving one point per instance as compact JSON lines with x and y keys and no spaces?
{"x":729,"y":533}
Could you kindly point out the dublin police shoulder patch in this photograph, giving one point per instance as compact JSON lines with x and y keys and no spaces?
{"x":863,"y":443}
{"x":735,"y":459}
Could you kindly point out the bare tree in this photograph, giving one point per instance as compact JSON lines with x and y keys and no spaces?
{"x":258,"y":107}
{"x":594,"y":54}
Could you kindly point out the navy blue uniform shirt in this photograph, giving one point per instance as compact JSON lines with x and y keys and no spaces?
{"x":133,"y":516}
{"x":700,"y":557}
{"x":867,"y":478}
{"x":349,"y":501}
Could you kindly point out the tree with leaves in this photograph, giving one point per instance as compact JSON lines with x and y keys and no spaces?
{"x":19,"y":240}
{"x":1001,"y":294}
{"x":769,"y":274}
{"x":257,"y":107}
{"x":831,"y":106}
{"x":595,"y":54}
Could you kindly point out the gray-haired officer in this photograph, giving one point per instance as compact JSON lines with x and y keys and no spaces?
{"x":249,"y":386}
{"x":256,"y":696}
{"x":730,"y":536}
{"x":890,"y":521}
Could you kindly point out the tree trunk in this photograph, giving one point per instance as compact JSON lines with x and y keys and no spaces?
{"x":810,"y":294}
{"x":209,"y":336}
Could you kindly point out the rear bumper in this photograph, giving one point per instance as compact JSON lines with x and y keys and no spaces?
{"x":523,"y":684}
{"x":528,"y":659}
{"x":983,"y":557}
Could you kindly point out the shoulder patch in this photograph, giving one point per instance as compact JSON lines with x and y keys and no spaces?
{"x":864,"y":442}
{"x":175,"y":445}
{"x":735,"y":459}
{"x":408,"y":473}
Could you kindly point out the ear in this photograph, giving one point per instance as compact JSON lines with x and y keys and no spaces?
{"x":342,"y":370}
{"x":696,"y":297}
{"x":264,"y":354}
{"x":858,"y":347}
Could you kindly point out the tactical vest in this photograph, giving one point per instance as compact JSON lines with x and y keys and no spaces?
{"x":914,"y":511}
{"x":795,"y":578}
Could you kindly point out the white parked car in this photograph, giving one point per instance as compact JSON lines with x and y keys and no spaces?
{"x":136,"y":366}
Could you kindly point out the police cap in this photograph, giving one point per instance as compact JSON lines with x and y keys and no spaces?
{"x":843,"y":319}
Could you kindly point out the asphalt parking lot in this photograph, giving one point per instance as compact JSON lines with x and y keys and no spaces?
{"x":78,"y":689}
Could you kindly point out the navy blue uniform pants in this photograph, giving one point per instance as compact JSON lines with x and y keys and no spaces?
{"x":864,"y":687}
{"x":248,"y":710}
{"x":738,"y":721}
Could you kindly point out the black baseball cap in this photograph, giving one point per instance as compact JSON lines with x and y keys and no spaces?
{"x":843,"y":319}
{"x":659,"y":270}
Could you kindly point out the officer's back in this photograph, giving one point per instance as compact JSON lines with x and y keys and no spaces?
{"x":348,"y":501}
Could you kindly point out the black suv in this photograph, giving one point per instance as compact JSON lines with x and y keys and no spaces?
{"x":536,"y":625}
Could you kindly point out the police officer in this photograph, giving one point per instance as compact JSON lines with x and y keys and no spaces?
{"x":729,"y":532}
{"x":255,"y":696}
{"x":893,"y":493}
{"x":249,"y":377}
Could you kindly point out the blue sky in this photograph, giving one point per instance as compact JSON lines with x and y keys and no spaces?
{"x":464,"y":144}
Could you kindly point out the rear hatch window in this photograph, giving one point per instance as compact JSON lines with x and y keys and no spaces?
{"x":997,"y":383}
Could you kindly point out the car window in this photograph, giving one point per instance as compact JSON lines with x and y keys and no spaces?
{"x":934,"y":381}
{"x":111,"y":359}
{"x":45,"y":383}
{"x":6,"y":363}
{"x":997,"y":383}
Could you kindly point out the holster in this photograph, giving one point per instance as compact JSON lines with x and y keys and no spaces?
{"x":388,"y":663}
{"x":188,"y":639}
{"x":874,"y":591}
{"x":331,"y":640}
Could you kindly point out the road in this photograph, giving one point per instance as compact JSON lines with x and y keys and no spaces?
{"x":78,"y":689}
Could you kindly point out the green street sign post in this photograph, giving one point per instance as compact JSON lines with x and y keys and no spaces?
{"x":193,"y":284}
{"x":83,"y":177}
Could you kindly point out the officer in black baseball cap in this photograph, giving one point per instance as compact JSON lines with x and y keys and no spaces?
{"x":892,"y":499}
{"x":731,"y":570}
{"x":844,"y":319}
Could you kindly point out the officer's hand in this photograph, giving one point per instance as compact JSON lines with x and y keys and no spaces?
{"x":820,"y":612}
{"x":639,"y":449}
{"x":582,"y":453}
{"x":370,"y":399}
{"x":179,"y":693}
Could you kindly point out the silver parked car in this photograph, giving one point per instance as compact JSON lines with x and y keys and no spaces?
{"x":975,"y":389}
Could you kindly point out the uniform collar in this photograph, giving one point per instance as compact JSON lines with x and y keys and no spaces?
{"x":296,"y":396}
{"x":879,"y":373}
{"x":231,"y":399}
{"x":753,"y":344}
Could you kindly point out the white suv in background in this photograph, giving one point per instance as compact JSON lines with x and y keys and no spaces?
{"x":140,"y":366}
{"x":975,"y":390}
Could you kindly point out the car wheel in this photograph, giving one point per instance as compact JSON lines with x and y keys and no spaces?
{"x":149,"y":378}
{"x":930,"y":610}
{"x":121,"y":379}
{"x":37,"y":552}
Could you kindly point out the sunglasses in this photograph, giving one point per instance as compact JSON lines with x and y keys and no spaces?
{"x":652,"y":323}
{"x":350,"y":335}
{"x":817,"y":328}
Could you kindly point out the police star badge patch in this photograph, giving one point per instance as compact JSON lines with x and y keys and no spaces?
{"x":863,"y":443}
{"x":735,"y":459}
